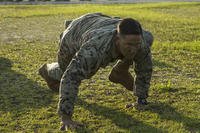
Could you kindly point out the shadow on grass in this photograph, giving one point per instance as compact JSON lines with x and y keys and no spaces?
{"x":161,"y":64}
{"x":119,"y":118}
{"x":167,"y":112}
{"x":19,"y":94}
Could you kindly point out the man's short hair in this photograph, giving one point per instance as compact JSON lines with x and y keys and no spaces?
{"x":129,"y":26}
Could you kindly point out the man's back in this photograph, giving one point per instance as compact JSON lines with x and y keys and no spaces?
{"x":88,"y":26}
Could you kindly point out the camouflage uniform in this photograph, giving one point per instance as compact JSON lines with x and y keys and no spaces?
{"x":88,"y":44}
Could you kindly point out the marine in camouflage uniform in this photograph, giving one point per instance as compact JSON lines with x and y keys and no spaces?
{"x":87,"y":44}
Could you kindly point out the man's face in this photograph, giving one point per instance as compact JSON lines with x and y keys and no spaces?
{"x":129,"y":45}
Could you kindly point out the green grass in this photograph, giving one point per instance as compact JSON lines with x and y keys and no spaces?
{"x":29,"y":37}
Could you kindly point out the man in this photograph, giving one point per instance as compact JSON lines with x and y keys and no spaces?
{"x":93,"y":41}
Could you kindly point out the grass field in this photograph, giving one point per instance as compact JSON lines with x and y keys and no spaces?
{"x":29,"y":37}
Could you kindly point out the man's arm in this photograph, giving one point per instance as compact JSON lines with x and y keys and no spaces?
{"x":83,"y":65}
{"x":143,"y":70}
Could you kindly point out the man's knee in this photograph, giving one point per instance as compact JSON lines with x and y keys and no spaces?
{"x":64,"y":58}
{"x":120,"y":74}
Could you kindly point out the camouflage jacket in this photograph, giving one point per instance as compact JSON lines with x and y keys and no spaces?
{"x":91,"y":37}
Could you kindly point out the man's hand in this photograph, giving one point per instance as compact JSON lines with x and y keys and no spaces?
{"x":68,"y":123}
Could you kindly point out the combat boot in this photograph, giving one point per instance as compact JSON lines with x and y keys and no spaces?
{"x":51,"y":83}
{"x":120,"y":74}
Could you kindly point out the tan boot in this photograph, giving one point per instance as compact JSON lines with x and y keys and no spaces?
{"x":120,"y":74}
{"x":52,"y":84}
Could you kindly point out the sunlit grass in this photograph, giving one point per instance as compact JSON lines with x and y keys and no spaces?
{"x":29,"y":37}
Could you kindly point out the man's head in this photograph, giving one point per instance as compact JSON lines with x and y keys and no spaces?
{"x":129,"y":33}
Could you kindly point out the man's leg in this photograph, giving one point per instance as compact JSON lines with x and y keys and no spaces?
{"x":120,"y":74}
{"x":52,"y":73}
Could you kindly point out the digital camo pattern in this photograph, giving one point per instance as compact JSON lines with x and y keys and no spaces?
{"x":143,"y":70}
{"x":88,"y":44}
